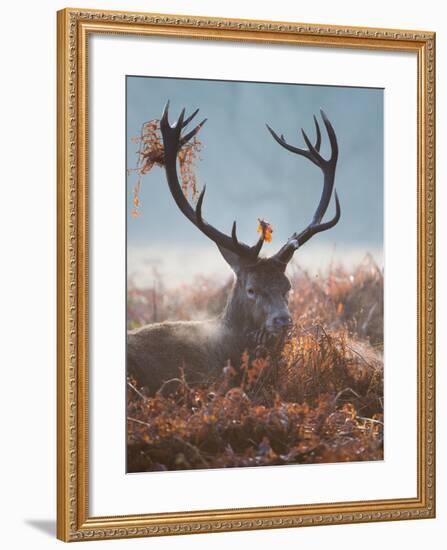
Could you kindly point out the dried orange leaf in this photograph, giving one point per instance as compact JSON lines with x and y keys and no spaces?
{"x":265,"y":229}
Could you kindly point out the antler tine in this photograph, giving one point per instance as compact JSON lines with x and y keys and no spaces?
{"x":298,"y":239}
{"x":286,"y":145}
{"x":255,"y":250}
{"x":317,"y":128}
{"x":180,"y":124}
{"x":193,"y":132}
{"x":314,"y":150}
{"x":312,"y":153}
{"x":173,"y":141}
{"x":332,"y":137}
{"x":313,"y":229}
{"x":221,"y":239}
{"x":191,"y":116}
{"x":328,"y":168}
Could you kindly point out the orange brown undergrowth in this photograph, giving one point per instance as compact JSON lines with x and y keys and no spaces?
{"x":319,"y":401}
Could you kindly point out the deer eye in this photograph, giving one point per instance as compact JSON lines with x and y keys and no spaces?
{"x":251,"y":292}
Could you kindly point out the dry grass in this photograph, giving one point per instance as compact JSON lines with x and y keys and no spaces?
{"x":319,"y":400}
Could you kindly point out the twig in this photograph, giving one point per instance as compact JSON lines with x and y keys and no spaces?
{"x":138,"y":421}
{"x":340,"y":393}
{"x":143,"y":397}
{"x":369,"y":317}
{"x":373,"y":420}
{"x":166,"y":382}
{"x":361,"y":356}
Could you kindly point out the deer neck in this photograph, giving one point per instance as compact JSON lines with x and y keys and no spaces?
{"x":235,"y":315}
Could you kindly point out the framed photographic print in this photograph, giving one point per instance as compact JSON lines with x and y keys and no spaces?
{"x":245,"y":274}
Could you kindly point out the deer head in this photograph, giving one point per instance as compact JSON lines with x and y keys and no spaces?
{"x":259,"y":299}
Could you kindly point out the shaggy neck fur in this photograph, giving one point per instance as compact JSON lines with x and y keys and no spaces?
{"x":234,"y":315}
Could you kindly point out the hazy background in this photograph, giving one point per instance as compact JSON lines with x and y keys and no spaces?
{"x":249,"y":176}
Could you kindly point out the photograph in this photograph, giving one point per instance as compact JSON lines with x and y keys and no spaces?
{"x":254,"y":273}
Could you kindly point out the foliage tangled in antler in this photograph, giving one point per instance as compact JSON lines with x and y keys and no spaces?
{"x":150,"y":153}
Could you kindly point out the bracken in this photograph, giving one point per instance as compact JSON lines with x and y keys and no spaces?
{"x":320,"y":400}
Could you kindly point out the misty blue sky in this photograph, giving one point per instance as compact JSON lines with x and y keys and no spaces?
{"x":248,"y":175}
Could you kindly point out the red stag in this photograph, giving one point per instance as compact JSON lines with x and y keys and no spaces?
{"x":258,"y":301}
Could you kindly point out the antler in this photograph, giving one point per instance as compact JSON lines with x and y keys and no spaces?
{"x":284,"y":255}
{"x":173,"y":141}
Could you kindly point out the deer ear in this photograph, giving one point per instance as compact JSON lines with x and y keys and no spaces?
{"x":232,"y":259}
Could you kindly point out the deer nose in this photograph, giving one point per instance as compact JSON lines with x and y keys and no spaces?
{"x":282,"y":321}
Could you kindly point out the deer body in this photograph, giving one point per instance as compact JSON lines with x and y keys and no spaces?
{"x":157,"y":352}
{"x":258,"y":301}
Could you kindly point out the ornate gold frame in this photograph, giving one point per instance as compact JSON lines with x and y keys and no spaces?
{"x":74,"y":521}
